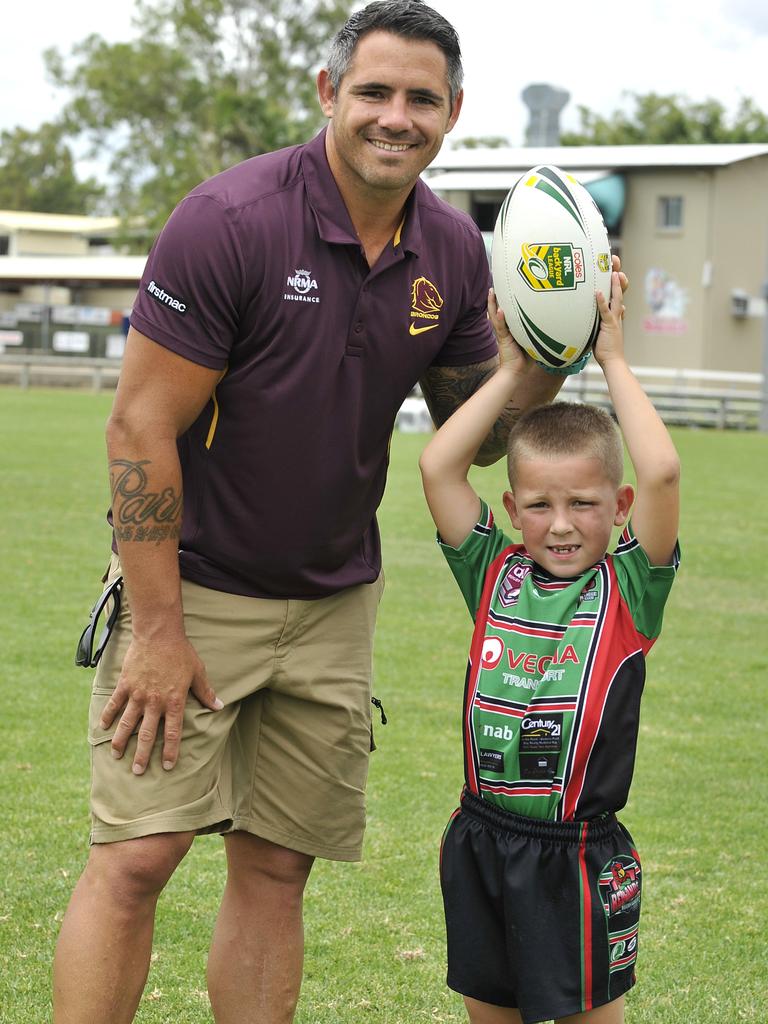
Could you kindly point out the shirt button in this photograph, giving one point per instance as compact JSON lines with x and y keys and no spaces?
{"x":358,"y":328}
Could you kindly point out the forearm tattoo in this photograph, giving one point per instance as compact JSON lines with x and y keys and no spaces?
{"x":139,"y":514}
{"x":445,"y":388}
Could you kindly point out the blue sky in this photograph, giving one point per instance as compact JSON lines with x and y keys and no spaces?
{"x":595,"y":50}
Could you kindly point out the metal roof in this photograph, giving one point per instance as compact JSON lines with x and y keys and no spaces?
{"x":592,"y":157}
{"x":58,"y":223}
{"x":120,"y":271}
{"x":481,"y":180}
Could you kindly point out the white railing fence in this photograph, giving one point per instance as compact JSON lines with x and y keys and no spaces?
{"x":704,"y":398}
{"x":707,"y":398}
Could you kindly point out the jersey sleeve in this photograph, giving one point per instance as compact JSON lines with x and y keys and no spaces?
{"x":644,"y":587}
{"x":472,"y":339}
{"x":189,"y":294}
{"x":469,"y":562}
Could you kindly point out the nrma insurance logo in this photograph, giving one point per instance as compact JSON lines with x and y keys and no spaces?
{"x":551,"y":266}
{"x":303,"y":284}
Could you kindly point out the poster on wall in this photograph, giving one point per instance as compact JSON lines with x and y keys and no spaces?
{"x":71,"y":341}
{"x":115,"y":346}
{"x":667,"y":301}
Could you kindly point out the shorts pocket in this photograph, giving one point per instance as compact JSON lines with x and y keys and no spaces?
{"x":96,"y":734}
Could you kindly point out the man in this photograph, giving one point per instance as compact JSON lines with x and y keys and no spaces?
{"x":286,"y":310}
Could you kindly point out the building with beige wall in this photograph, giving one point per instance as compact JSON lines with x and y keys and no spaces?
{"x":55,"y":234}
{"x":689,"y":222}
{"x":63,"y":288}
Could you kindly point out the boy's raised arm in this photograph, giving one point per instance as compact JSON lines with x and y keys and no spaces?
{"x":446,"y":460}
{"x":655,"y":516}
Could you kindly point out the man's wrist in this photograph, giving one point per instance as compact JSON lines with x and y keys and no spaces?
{"x":162,"y":624}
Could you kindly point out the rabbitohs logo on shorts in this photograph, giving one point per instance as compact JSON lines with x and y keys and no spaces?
{"x":620,"y":885}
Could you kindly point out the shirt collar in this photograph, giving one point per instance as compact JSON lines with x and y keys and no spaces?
{"x":331,"y":215}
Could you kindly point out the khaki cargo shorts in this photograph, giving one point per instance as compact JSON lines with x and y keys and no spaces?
{"x":287,"y":757}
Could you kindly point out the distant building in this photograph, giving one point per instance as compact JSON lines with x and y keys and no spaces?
{"x":62,"y":286}
{"x":689,"y":222}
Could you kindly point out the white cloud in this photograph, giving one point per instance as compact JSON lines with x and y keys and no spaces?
{"x":598,"y":52}
{"x":26,"y":97}
{"x":750,"y":14}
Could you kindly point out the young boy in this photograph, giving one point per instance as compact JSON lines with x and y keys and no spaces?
{"x":541,"y":883}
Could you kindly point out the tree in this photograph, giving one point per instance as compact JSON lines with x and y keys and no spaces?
{"x":482,"y":142}
{"x":665,"y":119}
{"x":205,"y":84}
{"x":37,"y":172}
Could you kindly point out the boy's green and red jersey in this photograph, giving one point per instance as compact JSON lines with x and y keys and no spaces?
{"x":555,"y":674}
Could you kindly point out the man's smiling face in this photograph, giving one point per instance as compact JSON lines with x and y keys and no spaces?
{"x":390,"y":114}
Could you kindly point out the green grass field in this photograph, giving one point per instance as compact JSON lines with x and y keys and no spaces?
{"x":374,"y":930}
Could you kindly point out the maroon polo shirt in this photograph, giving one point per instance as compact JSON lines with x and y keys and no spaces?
{"x":259,"y":273}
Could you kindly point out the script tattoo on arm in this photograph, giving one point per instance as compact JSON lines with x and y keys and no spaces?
{"x":139,"y":514}
{"x":446,"y":387}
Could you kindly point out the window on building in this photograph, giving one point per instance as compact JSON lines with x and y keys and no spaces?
{"x":670,"y":213}
{"x":485,"y":212}
{"x":5,"y":244}
{"x":100,"y":246}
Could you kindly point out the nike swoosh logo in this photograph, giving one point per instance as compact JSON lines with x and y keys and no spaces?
{"x":420,"y":330}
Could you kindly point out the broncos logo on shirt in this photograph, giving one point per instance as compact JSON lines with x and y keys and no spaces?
{"x":426,"y":303}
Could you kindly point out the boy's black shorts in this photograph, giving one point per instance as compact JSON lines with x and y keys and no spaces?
{"x":540,"y":915}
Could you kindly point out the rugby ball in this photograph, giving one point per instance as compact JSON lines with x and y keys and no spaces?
{"x":549,"y":256}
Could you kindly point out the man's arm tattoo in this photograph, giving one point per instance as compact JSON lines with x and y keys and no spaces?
{"x":446,"y":387}
{"x":139,"y":514}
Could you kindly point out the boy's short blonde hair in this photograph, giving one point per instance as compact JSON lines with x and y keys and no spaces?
{"x":567,"y":428}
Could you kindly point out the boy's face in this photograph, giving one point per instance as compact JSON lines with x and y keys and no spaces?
{"x":566,"y":508}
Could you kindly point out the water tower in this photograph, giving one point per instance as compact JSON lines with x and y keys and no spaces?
{"x":545,"y":103}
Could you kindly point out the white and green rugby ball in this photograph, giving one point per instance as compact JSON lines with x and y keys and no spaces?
{"x":549,"y":256}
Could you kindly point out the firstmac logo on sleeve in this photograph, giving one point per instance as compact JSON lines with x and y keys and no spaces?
{"x":166,"y":299}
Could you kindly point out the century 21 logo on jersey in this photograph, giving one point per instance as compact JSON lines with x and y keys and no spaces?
{"x":426,"y":303}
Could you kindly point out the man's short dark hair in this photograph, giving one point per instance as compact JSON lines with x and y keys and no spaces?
{"x":411,"y":19}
